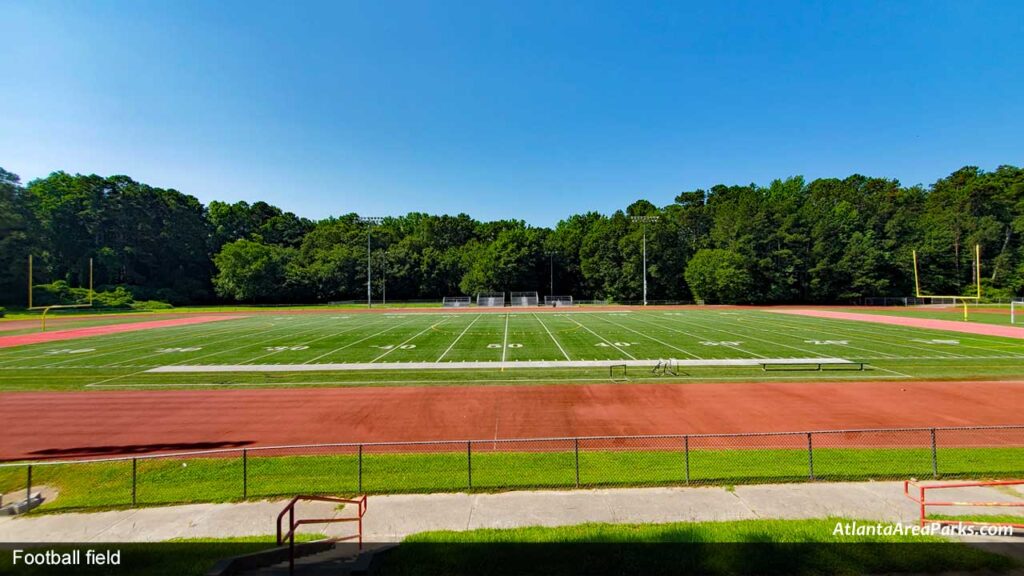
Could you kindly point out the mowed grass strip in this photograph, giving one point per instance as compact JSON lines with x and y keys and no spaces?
{"x":219,"y":479}
{"x":733,"y":547}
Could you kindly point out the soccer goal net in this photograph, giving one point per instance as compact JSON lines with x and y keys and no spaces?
{"x":525,"y":299}
{"x":490,"y":299}
{"x":1015,"y":307}
{"x":456,"y":301}
{"x":558,"y":301}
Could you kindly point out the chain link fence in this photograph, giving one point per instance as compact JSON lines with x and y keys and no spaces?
{"x":505,"y":464}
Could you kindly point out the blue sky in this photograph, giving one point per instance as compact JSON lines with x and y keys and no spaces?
{"x":505,"y":110}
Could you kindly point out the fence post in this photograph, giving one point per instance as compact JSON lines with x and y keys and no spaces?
{"x":686,"y":451}
{"x":360,"y":469}
{"x":469,"y":462}
{"x":245,"y":474}
{"x":935,"y":457}
{"x":135,"y":475}
{"x":576,"y":443}
{"x":810,"y":457}
{"x":28,"y":490}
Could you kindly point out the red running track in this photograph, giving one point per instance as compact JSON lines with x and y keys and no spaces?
{"x":58,"y":335}
{"x":92,"y":424}
{"x":951,"y":325}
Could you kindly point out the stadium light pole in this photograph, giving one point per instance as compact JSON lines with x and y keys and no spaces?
{"x":551,"y":257}
{"x":643,"y":220}
{"x":370,"y":221}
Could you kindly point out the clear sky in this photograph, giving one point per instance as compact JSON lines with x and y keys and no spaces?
{"x":505,"y":109}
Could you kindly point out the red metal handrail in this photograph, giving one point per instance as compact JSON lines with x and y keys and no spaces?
{"x":293,"y":524}
{"x":923,"y":502}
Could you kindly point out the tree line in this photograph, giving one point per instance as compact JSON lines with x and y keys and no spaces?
{"x":830,"y":240}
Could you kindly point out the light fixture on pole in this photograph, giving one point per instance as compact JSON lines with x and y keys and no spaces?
{"x":370,"y":221}
{"x":643,"y":220}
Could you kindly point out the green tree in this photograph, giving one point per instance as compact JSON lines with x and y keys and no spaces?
{"x":719,"y":276}
{"x":250,"y":271}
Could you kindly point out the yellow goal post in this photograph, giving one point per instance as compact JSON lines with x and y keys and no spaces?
{"x":46,"y":309}
{"x":963,"y":299}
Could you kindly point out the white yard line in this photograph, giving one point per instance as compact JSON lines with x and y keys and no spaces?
{"x":564,"y":353}
{"x":350,"y":344}
{"x":159,"y":341}
{"x":504,"y":341}
{"x":417,"y":335}
{"x":691,"y":354}
{"x":870,"y":335}
{"x":261,"y":342}
{"x":603,"y":339}
{"x":456,"y":341}
{"x":731,"y":333}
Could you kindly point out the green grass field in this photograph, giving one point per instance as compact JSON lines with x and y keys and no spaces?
{"x":170,"y":480}
{"x":327,"y":344}
{"x":736,"y":547}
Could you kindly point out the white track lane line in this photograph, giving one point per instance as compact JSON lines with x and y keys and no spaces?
{"x":456,"y":341}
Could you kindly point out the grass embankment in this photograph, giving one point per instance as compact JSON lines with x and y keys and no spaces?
{"x":160,"y":481}
{"x":737,"y":547}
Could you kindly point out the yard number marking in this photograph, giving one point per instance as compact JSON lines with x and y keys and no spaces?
{"x":828,"y":342}
{"x":619,"y":344}
{"x":511,"y":345}
{"x":392,"y":346}
{"x":70,"y":351}
{"x":285,"y":348}
{"x":936,"y":341}
{"x":188,"y":349}
{"x":723,"y":343}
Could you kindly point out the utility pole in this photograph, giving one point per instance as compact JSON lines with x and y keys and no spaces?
{"x":643,"y":220}
{"x":370,"y":221}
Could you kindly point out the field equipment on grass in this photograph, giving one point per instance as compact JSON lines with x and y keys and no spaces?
{"x":558,"y":301}
{"x":522,"y":299}
{"x":46,"y":309}
{"x":490,"y":299}
{"x":1014,"y":304}
{"x":618,"y":373}
{"x":977,"y":278}
{"x":666,"y":367}
{"x":456,"y":302}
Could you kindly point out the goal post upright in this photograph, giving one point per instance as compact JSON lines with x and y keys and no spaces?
{"x":963,"y":299}
{"x":46,"y":309}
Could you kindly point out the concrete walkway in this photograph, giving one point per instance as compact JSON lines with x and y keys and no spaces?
{"x":391,"y":518}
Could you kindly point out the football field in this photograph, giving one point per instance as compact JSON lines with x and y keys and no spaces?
{"x":517,"y":345}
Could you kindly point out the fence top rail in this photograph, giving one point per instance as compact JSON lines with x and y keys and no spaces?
{"x":357,"y":445}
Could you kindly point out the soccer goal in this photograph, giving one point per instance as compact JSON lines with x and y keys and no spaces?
{"x":1014,"y":304}
{"x":456,"y":301}
{"x":490,"y":299}
{"x":524,"y":299}
{"x":558,"y":301}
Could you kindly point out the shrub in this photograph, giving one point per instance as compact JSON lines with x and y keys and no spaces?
{"x":2,"y":311}
{"x":150,"y":305}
